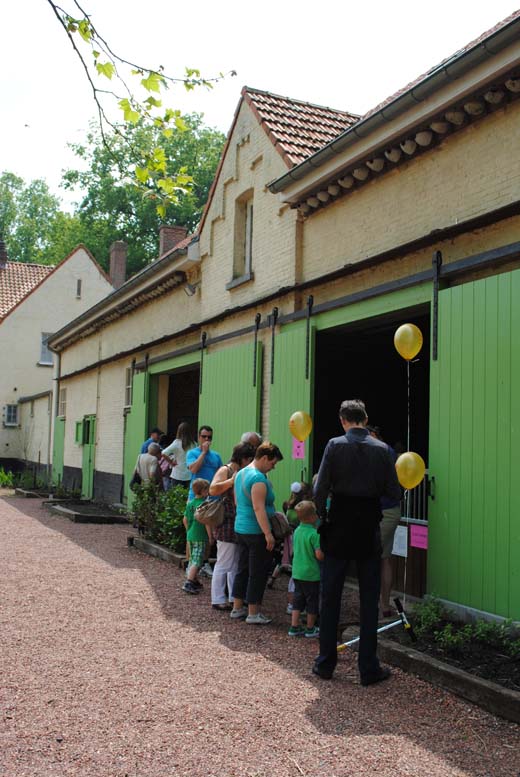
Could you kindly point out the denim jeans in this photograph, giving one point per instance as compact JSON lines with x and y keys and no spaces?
{"x":333,"y":578}
{"x":254,"y":563}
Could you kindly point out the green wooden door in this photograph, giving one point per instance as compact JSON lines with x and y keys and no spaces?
{"x":230,"y":397}
{"x":136,"y":431}
{"x":474,"y":524}
{"x":89,"y":455}
{"x":58,"y":449}
{"x":290,"y":390}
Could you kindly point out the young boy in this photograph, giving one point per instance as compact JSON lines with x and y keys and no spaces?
{"x":306,"y":571}
{"x":197,"y":535}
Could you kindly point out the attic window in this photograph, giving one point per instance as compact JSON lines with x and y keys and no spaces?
{"x":243,"y":243}
{"x":78,"y":288}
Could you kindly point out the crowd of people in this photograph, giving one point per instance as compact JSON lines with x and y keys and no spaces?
{"x":349,"y":513}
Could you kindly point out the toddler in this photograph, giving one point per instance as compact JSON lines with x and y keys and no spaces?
{"x":306,"y":571}
{"x":197,"y":535}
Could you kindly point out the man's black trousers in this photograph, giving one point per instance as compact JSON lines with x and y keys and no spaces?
{"x":334,"y":571}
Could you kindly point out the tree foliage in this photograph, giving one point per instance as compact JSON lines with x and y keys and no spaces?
{"x":114,"y":208}
{"x":32,"y":224}
{"x":121,"y":76}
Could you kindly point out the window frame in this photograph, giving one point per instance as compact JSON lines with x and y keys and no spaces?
{"x":10,"y":422}
{"x":129,"y":380}
{"x":62,"y":402}
{"x":44,"y":344}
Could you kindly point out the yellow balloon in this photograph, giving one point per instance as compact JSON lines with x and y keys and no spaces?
{"x":410,"y":469}
{"x":300,"y":425}
{"x":408,"y":341}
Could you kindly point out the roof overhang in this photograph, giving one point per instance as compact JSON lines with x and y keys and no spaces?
{"x":440,"y":89}
{"x":154,"y":280}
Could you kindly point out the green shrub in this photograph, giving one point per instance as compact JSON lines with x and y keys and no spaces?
{"x":6,"y":478}
{"x":158,"y":514}
{"x":427,"y":615}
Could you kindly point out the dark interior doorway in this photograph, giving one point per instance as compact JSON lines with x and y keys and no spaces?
{"x":183,"y":400}
{"x":360,"y":361}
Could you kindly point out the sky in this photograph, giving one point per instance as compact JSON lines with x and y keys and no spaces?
{"x":338,"y":53}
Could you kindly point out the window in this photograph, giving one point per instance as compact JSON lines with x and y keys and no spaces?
{"x":78,"y":433}
{"x":11,"y":415}
{"x":32,"y":408}
{"x":78,"y":288}
{"x":46,"y":353}
{"x":243,"y":247}
{"x":62,"y":402}
{"x":128,"y":386}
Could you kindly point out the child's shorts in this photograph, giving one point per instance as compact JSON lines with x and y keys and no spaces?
{"x":307,"y":596}
{"x":197,"y":553}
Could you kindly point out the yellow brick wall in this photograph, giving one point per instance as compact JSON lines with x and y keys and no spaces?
{"x":472,"y":172}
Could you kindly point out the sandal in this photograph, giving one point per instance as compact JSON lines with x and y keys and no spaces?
{"x":222,"y":607}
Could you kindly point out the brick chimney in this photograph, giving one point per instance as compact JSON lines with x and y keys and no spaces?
{"x":118,"y":251}
{"x":3,"y":255}
{"x":169,"y":237}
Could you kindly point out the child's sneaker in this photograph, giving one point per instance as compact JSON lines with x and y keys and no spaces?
{"x":314,"y":632}
{"x":296,"y":631}
{"x":206,"y":569}
{"x":189,"y":588}
{"x":198,"y":585}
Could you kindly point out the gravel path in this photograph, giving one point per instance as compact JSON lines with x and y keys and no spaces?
{"x":110,"y":670}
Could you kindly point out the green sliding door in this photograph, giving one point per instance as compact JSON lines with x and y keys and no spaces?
{"x":136,"y":431}
{"x":474,"y":518}
{"x":58,"y":450}
{"x":291,"y":390}
{"x":231,"y":383}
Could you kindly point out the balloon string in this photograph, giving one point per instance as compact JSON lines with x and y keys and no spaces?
{"x":408,"y":405}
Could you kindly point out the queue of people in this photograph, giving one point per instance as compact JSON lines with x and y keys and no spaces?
{"x":337,"y":522}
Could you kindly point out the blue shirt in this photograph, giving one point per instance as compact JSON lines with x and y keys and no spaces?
{"x":211,"y":463}
{"x":144,"y":446}
{"x":245,"y":521}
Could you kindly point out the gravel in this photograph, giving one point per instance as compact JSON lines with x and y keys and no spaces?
{"x":110,"y":670}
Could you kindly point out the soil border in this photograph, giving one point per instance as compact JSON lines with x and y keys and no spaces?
{"x":77,"y":517}
{"x":491,"y":697}
{"x":154,"y":549}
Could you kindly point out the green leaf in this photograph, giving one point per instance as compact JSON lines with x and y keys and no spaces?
{"x":153,"y":102}
{"x":95,"y":53}
{"x":161,"y":210}
{"x":85,"y":30}
{"x":129,"y":113}
{"x":167,"y":133}
{"x":152,"y":83}
{"x":142,"y":174}
{"x":180,"y":124}
{"x":106,"y":69}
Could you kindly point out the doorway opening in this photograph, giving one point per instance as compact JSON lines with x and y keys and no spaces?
{"x":360,"y":361}
{"x":182,"y":400}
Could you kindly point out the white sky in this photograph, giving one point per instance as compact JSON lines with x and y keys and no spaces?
{"x":348,"y":55}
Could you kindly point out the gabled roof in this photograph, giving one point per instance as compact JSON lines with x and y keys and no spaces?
{"x":297,"y":129}
{"x":17,"y":280}
{"x":20,"y":282}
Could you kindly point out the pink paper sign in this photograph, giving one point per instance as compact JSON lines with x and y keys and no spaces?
{"x":298,"y":449}
{"x":419,"y":536}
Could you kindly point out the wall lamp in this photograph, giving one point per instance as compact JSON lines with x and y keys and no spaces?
{"x":190,"y":288}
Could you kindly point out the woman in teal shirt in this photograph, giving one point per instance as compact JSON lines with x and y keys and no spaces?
{"x":254,"y":499}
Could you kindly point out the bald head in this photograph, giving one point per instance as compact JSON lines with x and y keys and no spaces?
{"x":252,"y":438}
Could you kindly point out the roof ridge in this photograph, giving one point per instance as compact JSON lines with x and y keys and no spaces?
{"x":252,"y":89}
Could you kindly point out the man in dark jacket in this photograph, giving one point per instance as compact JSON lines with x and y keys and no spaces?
{"x":355,"y":472}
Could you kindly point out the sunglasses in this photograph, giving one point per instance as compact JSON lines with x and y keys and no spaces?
{"x":207,"y":436}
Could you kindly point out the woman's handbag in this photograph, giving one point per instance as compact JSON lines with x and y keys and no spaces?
{"x":210,"y":513}
{"x":280,"y":527}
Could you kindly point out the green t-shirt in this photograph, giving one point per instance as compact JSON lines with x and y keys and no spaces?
{"x":196,"y":531}
{"x":306,"y":541}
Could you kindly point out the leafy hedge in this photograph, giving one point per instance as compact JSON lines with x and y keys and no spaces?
{"x":158,"y":515}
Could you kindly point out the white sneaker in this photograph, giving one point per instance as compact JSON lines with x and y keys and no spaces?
{"x":238,"y":614}
{"x":206,"y":569}
{"x":259,"y":619}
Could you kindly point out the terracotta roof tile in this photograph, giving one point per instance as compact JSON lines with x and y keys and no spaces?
{"x":296,"y":128}
{"x":17,"y":279}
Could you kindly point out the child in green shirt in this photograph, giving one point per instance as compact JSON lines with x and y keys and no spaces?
{"x":306,"y":571}
{"x":197,"y":535}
